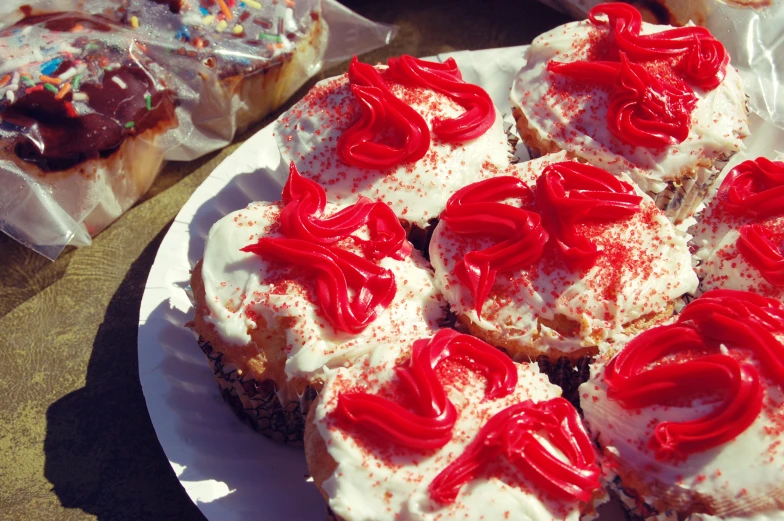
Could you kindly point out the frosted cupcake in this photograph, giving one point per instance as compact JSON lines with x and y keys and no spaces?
{"x":287,"y":290}
{"x":559,"y":259}
{"x":739,"y":234}
{"x":689,"y":415}
{"x":660,"y":103}
{"x":449,"y":428}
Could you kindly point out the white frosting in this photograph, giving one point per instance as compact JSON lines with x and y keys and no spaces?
{"x":656,"y":270}
{"x":364,"y":486}
{"x":721,"y":264}
{"x":578,"y":122}
{"x":240,"y":286}
{"x":308,"y":134}
{"x":737,"y":475}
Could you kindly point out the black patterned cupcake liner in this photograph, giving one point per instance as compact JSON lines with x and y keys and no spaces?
{"x":567,"y":375}
{"x":634,"y":506}
{"x":257,"y":402}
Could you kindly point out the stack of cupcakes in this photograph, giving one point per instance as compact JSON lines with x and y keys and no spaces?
{"x":428,"y":375}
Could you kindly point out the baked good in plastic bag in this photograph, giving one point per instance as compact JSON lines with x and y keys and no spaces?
{"x":96,"y":94}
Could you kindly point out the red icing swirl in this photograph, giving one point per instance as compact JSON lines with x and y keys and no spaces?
{"x":445,"y":78}
{"x":351,"y":290}
{"x":389,"y":132}
{"x":338,"y":273}
{"x":649,"y":108}
{"x":702,"y":59}
{"x":515,"y":434}
{"x":754,"y":188}
{"x":643,"y":111}
{"x":681,"y":361}
{"x":304,"y":199}
{"x":569,"y":193}
{"x":764,"y":250}
{"x":430,"y":424}
{"x":476,"y":210}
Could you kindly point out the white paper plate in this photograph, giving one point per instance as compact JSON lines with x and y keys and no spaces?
{"x":227,"y":469}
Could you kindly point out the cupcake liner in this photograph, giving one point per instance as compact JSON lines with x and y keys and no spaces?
{"x":257,"y":403}
{"x":635,"y":508}
{"x":567,"y":375}
{"x":681,"y":200}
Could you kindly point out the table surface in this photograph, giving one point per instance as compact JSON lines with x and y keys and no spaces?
{"x":76,"y":441}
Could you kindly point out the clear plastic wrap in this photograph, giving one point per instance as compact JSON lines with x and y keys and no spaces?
{"x":93,"y":101}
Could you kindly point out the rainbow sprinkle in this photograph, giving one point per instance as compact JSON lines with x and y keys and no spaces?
{"x":51,"y":66}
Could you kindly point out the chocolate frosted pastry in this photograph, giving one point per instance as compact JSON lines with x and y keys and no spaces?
{"x":449,"y":427}
{"x":237,"y":61}
{"x":689,"y":417}
{"x":82,"y":111}
{"x":288,"y":290}
{"x":658,"y":103}
{"x":558,"y":258}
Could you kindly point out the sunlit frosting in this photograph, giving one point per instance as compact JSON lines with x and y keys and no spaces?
{"x":242,"y":287}
{"x":643,"y":265}
{"x":383,"y":479}
{"x":676,"y":103}
{"x":309,"y":134}
{"x":739,"y":235}
{"x":700,"y":420}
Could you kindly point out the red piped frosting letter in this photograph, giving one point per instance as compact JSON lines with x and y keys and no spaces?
{"x":648,"y":107}
{"x":352,"y":291}
{"x":430,"y":424}
{"x":643,"y":111}
{"x":683,"y":360}
{"x":382,"y":114}
{"x":569,"y":193}
{"x":445,"y":78}
{"x":700,"y":57}
{"x":515,"y":434}
{"x":476,"y":210}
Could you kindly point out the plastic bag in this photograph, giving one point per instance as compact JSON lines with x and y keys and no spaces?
{"x":92,"y":102}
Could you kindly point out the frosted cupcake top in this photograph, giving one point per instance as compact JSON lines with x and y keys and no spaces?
{"x":649,"y":100}
{"x":558,"y":239}
{"x":690,"y":413}
{"x":739,"y":235}
{"x":451,"y":428}
{"x":341,"y":279}
{"x":410,"y":135}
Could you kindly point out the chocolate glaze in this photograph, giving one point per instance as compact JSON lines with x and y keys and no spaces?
{"x":57,"y":134}
{"x":50,"y":136}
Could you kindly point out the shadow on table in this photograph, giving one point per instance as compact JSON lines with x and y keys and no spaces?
{"x":102,"y":455}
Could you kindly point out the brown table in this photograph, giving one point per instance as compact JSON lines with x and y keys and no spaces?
{"x":75,"y":438}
